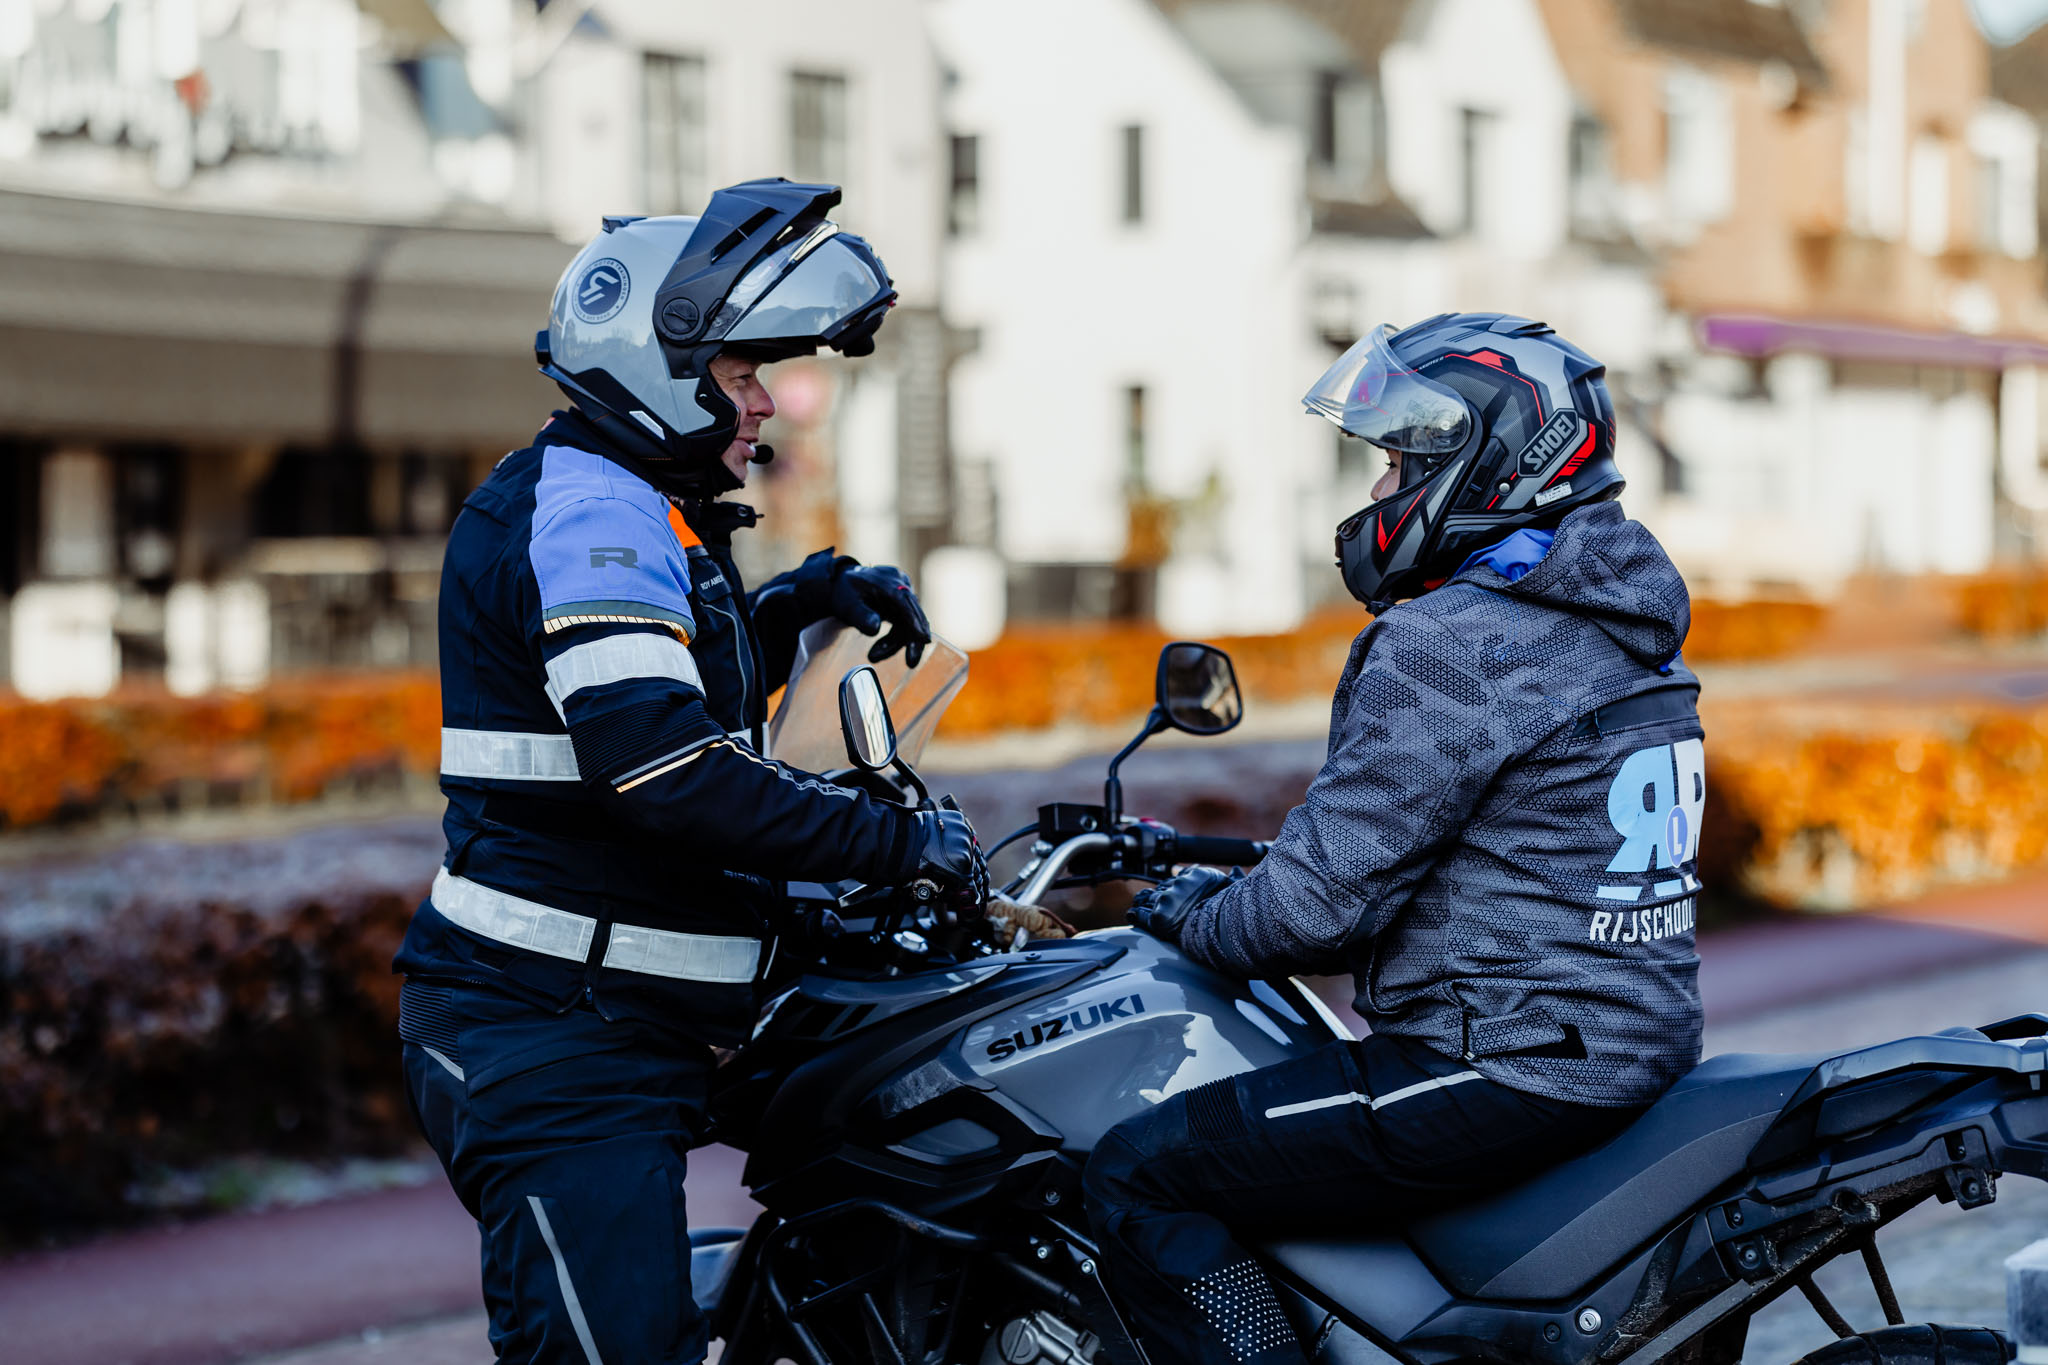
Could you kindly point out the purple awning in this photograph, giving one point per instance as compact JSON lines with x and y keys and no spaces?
{"x":1754,"y":334}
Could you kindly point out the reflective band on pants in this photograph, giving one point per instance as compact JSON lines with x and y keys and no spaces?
{"x":1281,"y":1111}
{"x":569,"y":1297}
{"x":498,"y":915}
{"x":507,"y":753}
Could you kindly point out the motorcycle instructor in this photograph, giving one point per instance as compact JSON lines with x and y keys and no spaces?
{"x":1500,"y":846}
{"x":615,"y":834}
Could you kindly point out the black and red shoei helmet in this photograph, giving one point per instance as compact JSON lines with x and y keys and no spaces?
{"x":1504,"y":425}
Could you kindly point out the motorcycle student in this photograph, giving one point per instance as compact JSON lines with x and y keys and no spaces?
{"x":614,"y":831}
{"x":1500,"y":846}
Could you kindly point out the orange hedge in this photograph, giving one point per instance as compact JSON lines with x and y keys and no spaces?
{"x":291,"y":742}
{"x":1101,"y":674}
{"x":1851,"y":804}
{"x":301,"y":736}
{"x":2007,"y":605}
{"x":1818,"y":803}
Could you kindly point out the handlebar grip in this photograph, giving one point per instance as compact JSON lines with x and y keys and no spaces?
{"x":1199,"y":848}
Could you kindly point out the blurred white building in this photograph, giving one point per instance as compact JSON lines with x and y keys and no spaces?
{"x":270,"y":272}
{"x":255,"y":340}
{"x":1150,"y":252}
{"x":1802,"y":237}
{"x":1176,"y":214}
{"x":1842,"y":206}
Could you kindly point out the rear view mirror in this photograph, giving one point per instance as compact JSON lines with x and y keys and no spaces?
{"x":864,"y":719}
{"x":1197,"y":689}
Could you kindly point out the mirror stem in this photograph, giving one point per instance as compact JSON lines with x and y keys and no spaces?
{"x":1113,"y":786}
{"x":909,"y":774}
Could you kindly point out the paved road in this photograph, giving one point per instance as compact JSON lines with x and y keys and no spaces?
{"x":1945,"y":1262}
{"x":229,"y":1288}
{"x":400,"y":1265}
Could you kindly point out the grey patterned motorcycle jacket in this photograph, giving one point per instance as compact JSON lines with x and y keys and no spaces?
{"x":1502,"y":843}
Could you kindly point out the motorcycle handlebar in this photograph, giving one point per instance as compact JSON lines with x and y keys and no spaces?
{"x":1199,"y":848}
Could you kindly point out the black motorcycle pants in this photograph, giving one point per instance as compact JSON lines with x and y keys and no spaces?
{"x":1352,"y":1137}
{"x":565,"y":1136}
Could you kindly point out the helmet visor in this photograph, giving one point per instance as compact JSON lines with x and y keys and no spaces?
{"x":1371,"y":393}
{"x":797,"y":294}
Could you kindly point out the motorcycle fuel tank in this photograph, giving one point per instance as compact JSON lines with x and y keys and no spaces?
{"x":930,"y":1088}
{"x":1147,"y":1027}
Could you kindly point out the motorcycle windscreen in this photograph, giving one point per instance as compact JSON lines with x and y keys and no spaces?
{"x":804,"y":732}
{"x":1373,"y":394}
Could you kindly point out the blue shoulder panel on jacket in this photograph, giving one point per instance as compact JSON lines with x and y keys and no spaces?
{"x":603,"y":548}
{"x":1514,"y":556}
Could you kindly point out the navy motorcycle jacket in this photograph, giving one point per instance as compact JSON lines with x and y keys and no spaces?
{"x":1502,"y":842}
{"x":613,"y":830}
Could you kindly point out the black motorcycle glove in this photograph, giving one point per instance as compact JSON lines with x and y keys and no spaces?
{"x":867,"y":597}
{"x":1161,"y":910}
{"x":946,"y":851}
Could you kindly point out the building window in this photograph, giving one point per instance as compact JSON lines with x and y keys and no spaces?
{"x":1344,"y":133}
{"x":1334,"y":304}
{"x":673,"y":133}
{"x":1323,"y":136}
{"x":1699,"y":148}
{"x":78,"y":515}
{"x":817,"y":127}
{"x":963,"y":195}
{"x":1593,"y":210}
{"x":1927,"y":196}
{"x":1135,"y":473}
{"x":1134,"y":173}
{"x":1475,"y":167}
{"x":1990,"y":201}
{"x":2004,"y":146}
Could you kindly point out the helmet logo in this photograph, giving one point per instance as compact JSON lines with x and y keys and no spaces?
{"x":601,"y":291}
{"x":1562,"y":432}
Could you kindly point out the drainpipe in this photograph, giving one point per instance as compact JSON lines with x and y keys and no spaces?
{"x":346,"y":400}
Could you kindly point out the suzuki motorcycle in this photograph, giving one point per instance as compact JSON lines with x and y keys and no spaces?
{"x":917,"y":1106}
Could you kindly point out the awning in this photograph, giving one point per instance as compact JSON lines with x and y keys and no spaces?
{"x":141,"y":321}
{"x":1756,"y":335}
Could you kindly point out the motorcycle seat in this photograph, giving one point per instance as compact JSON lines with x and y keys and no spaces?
{"x":1554,"y":1233}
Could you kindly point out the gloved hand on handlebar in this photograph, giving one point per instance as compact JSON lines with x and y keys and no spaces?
{"x":1161,"y":910}
{"x":946,"y":851}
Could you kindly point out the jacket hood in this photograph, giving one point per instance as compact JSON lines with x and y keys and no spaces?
{"x":1611,"y":571}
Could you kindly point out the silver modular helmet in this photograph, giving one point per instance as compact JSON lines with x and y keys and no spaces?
{"x":644,"y":308}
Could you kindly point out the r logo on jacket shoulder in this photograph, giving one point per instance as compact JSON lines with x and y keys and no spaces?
{"x":604,"y":549}
{"x":1655,"y":804}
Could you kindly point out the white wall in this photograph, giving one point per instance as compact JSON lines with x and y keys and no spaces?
{"x":591,"y":93}
{"x":1494,"y":56}
{"x":1202,"y":303}
{"x":1812,"y":481}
